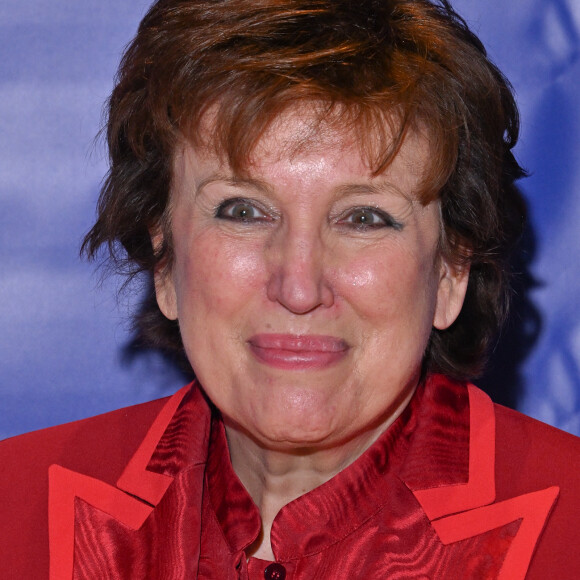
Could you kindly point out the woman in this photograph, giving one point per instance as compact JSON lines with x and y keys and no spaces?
{"x":322,"y":193}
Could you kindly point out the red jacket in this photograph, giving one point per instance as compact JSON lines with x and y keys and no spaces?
{"x":456,"y":488}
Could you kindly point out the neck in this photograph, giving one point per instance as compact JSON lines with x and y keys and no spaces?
{"x":275,"y":476}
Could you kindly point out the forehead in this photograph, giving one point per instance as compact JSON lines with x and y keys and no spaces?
{"x":304,"y":139}
{"x":299,"y":131}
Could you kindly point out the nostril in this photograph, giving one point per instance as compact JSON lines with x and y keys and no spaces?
{"x":298,"y":271}
{"x":299,"y":290}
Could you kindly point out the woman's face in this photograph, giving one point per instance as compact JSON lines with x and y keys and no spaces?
{"x":306,"y":289}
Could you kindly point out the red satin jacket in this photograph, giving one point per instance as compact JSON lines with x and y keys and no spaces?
{"x":456,"y":488}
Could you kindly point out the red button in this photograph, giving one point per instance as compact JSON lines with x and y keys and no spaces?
{"x":275,"y":571}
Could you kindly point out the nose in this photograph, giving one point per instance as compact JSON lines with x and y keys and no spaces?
{"x":298,"y":271}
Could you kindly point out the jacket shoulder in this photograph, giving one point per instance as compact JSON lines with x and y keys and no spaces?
{"x":113,"y":435}
{"x":532,"y":456}
{"x":528,"y":449}
{"x":99,"y":446}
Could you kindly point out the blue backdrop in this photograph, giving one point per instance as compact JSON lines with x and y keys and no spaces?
{"x":63,"y":335}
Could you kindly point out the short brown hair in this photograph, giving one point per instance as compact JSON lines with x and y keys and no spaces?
{"x":413,"y":63}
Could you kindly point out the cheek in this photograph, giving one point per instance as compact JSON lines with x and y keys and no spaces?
{"x":215,"y":274}
{"x":388,"y":284}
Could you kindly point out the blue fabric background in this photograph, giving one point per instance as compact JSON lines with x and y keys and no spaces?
{"x":62,"y":334}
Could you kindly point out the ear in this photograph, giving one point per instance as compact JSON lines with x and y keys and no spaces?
{"x":453,"y":281}
{"x":164,"y":284}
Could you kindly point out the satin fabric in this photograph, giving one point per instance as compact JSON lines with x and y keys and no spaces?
{"x":455,"y":488}
{"x":366,"y":522}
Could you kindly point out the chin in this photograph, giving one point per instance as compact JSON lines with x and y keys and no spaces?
{"x":305,"y":431}
{"x":285,"y":433}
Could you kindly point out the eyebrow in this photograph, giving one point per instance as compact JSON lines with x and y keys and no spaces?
{"x":346,"y":190}
{"x":381,"y":188}
{"x":233,"y":181}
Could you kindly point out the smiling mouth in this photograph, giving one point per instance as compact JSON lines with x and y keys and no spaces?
{"x":298,"y":352}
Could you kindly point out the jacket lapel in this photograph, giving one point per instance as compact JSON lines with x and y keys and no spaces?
{"x":97,"y":530}
{"x":467,"y":510}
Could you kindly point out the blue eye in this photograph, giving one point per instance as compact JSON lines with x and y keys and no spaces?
{"x":241,"y":210}
{"x":363,"y":218}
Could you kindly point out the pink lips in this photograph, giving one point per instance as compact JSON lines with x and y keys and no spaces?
{"x":298,"y":352}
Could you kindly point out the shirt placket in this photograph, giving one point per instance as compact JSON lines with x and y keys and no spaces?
{"x":264,"y":570}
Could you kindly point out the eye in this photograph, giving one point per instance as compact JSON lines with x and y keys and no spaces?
{"x":363,"y":218}
{"x":241,"y":210}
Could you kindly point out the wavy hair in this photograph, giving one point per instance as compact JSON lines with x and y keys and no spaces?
{"x":383,"y":67}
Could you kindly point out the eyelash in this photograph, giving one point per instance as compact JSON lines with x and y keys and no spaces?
{"x":385,"y":220}
{"x":230,"y":204}
{"x":380,"y":218}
